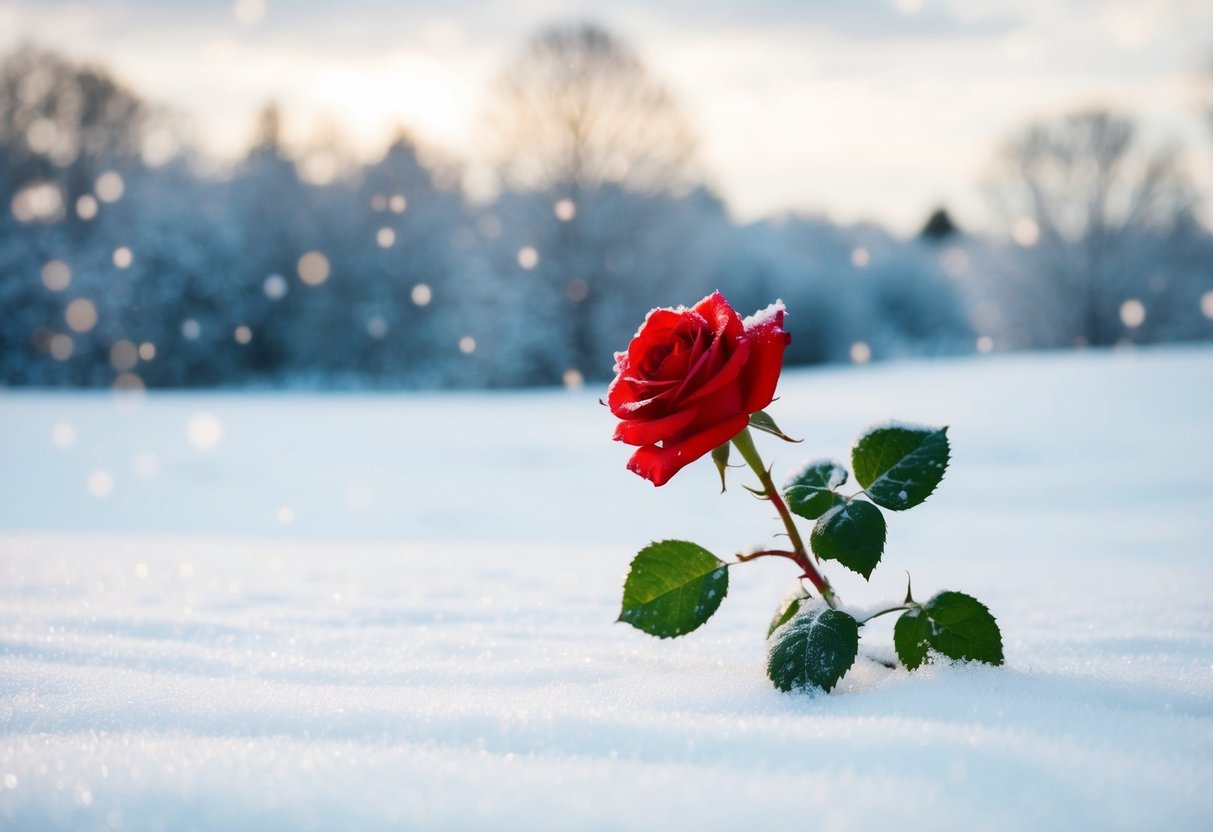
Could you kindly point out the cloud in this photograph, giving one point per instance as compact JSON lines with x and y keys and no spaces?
{"x":866,"y":107}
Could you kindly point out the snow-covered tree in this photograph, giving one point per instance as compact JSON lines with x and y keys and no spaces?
{"x":594,"y":149}
{"x":1092,"y":208}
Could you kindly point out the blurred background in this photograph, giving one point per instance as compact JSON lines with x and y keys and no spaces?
{"x":492,"y":194}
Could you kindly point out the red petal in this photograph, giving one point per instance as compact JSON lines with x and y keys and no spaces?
{"x":722,"y":405}
{"x":658,"y":330}
{"x":721,"y":317}
{"x":675,"y":365}
{"x":650,"y":431}
{"x":659,"y":464}
{"x":630,"y":398}
{"x":761,"y":373}
{"x":623,"y":394}
{"x":726,"y":374}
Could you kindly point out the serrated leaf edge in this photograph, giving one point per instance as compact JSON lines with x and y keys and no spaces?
{"x":910,"y":427}
{"x":722,"y":565}
{"x":774,"y":643}
{"x":823,"y":521}
{"x":932,"y":651}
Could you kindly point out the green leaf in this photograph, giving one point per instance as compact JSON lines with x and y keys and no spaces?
{"x":790,"y":605}
{"x":900,"y":465}
{"x":762,"y":421}
{"x":811,"y":492}
{"x":852,"y":534}
{"x":813,"y":650}
{"x":720,"y":455}
{"x":953,"y":624}
{"x":672,"y":588}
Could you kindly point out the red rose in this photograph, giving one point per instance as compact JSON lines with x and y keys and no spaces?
{"x":690,"y":379}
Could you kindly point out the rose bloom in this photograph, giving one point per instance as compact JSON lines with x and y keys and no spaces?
{"x":690,"y":379}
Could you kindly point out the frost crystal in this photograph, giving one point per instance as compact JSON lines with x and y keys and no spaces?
{"x":763,"y":316}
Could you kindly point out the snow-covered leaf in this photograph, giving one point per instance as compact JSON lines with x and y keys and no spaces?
{"x":953,"y":624}
{"x":813,"y":650}
{"x":852,"y":534}
{"x":811,"y":492}
{"x":672,"y":588}
{"x":900,"y":465}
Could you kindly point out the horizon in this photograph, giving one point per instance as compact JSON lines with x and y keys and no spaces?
{"x":851,"y":113}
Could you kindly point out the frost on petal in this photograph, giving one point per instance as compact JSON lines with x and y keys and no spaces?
{"x":764,"y":317}
{"x":765,"y":333}
{"x":720,"y":316}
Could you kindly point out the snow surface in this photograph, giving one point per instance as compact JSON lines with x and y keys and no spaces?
{"x":395,"y":611}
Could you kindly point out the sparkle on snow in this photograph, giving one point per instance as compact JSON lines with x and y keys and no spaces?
{"x":128,"y":383}
{"x":1133,"y":313}
{"x":81,"y":315}
{"x":109,"y":187}
{"x":56,"y":275}
{"x":40,"y":201}
{"x":376,"y":327}
{"x":124,"y":355}
{"x":62,"y":347}
{"x":577,"y":290}
{"x":313,"y":268}
{"x":100,"y":483}
{"x":528,"y":258}
{"x":86,"y":207}
{"x":63,"y":435}
{"x":275,"y":287}
{"x":1026,"y":232}
{"x":204,"y":431}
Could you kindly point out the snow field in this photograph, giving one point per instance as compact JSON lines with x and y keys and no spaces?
{"x":439,"y":652}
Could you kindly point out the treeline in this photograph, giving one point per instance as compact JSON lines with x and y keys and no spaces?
{"x":121,"y":265}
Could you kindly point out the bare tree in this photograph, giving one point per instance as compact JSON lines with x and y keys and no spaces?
{"x":64,"y":122}
{"x":578,"y":109}
{"x":1095,"y":213}
{"x":595,"y":145}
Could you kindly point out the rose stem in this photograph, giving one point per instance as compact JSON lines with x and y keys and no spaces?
{"x":744,"y":442}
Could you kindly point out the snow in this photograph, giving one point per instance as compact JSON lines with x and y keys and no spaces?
{"x":764,"y":316}
{"x":395,"y":611}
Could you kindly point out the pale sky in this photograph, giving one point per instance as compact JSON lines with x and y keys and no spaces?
{"x":857,"y":109}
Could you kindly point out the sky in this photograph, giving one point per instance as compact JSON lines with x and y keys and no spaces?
{"x":860,"y":110}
